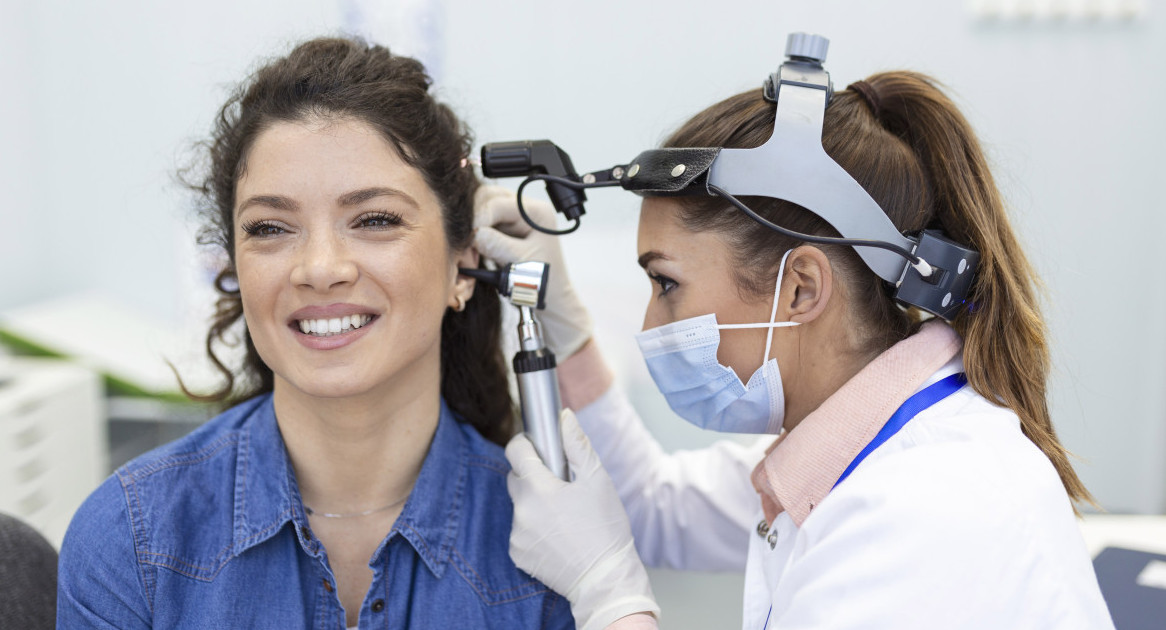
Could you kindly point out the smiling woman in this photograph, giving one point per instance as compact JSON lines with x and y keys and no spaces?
{"x":358,"y":480}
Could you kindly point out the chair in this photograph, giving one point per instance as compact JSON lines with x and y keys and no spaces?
{"x":28,"y":577}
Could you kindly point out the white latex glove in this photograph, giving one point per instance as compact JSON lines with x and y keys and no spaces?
{"x":504,"y":237}
{"x":575,"y":536}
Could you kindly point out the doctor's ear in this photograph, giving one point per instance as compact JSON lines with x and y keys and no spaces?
{"x":808,"y":284}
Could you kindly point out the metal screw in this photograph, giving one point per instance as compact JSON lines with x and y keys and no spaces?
{"x":617,"y":172}
{"x":589,"y":179}
{"x":633,"y":170}
{"x":678,"y":170}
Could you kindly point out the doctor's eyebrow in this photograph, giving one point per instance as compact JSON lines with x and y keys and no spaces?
{"x":358,"y":197}
{"x":648,"y":257}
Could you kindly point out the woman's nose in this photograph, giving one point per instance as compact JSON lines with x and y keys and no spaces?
{"x":323,"y":263}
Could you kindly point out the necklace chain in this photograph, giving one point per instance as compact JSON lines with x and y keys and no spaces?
{"x":312,"y":512}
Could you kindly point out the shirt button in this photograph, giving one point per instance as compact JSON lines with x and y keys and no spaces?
{"x":772,"y":539}
{"x":762,"y":529}
{"x":378,"y":605}
{"x":327,"y":585}
{"x":306,"y":533}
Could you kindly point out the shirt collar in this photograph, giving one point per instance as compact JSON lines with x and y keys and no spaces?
{"x":430,"y":518}
{"x":267,"y":495}
{"x":802,"y":466}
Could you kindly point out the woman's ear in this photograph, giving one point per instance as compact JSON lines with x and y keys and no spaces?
{"x":809,"y":281}
{"x":463,"y":286}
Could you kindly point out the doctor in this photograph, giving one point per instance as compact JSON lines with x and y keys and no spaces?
{"x":915,"y":481}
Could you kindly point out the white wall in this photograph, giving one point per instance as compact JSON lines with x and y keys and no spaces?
{"x":103,"y":101}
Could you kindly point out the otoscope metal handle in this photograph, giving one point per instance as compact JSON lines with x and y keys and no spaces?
{"x":538,"y":391}
{"x":540,"y":415}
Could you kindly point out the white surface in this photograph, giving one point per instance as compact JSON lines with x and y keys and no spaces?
{"x":1141,"y":532}
{"x":110,"y":338}
{"x":52,"y":443}
{"x":1153,"y":575}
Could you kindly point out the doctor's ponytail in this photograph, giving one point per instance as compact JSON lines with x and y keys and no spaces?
{"x":1006,"y":354}
{"x":908,"y":145}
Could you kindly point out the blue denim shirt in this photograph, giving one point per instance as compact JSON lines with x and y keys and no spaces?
{"x":209,"y":532}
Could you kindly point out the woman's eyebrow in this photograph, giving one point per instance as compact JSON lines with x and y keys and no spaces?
{"x":271,"y":201}
{"x":358,"y":197}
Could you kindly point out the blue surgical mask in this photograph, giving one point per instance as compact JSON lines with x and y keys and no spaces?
{"x":682,"y":359}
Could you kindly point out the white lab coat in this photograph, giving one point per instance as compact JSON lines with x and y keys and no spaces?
{"x":957,"y":521}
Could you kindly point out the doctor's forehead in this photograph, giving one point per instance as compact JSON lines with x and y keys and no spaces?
{"x":663,"y":236}
{"x":659,"y":224}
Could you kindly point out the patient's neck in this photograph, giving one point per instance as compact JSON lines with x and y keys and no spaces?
{"x":362,"y":452}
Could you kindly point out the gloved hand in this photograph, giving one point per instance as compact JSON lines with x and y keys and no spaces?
{"x":504,"y":237}
{"x":575,"y":536}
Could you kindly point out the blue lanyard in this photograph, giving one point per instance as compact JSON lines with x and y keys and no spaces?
{"x":912,"y":407}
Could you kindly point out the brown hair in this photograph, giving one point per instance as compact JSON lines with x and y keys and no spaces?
{"x":346,"y":78}
{"x":921,"y":162}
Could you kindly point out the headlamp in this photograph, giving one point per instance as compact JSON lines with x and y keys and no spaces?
{"x":927,"y":270}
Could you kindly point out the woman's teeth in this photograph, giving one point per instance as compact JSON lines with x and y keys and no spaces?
{"x":334,"y":326}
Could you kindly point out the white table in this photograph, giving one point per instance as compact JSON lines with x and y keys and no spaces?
{"x":1145,"y":533}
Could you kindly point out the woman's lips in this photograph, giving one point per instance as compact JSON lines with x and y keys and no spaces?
{"x":324,"y":327}
{"x":320,"y":335}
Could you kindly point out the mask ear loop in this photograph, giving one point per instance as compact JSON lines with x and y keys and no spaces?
{"x":773,"y":313}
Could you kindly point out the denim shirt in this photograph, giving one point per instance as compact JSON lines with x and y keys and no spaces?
{"x":209,"y":532}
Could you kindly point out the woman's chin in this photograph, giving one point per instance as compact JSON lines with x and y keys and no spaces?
{"x":321,"y":387}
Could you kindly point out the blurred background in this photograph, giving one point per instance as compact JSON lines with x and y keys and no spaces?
{"x":104,"y":102}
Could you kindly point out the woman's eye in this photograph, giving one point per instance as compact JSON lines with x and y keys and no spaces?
{"x":666,"y":283}
{"x":262,"y":229}
{"x":378,"y":220}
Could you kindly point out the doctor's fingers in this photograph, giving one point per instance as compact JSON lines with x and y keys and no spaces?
{"x":581,"y":456}
{"x":525,"y":464}
{"x":495,"y":206}
{"x":501,"y":248}
{"x":499,"y":209}
{"x":482,"y":202}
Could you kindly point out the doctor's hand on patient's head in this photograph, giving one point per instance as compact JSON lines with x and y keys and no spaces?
{"x":574,"y":536}
{"x":502,"y":236}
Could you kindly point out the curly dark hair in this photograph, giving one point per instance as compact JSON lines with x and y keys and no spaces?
{"x":336,"y":77}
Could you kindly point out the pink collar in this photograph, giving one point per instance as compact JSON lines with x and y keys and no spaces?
{"x":802,"y":465}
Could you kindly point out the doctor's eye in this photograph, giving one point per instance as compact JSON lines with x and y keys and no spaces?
{"x":666,"y":283}
{"x":262,"y":229}
{"x":378,"y":220}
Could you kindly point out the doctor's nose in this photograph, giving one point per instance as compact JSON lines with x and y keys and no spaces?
{"x":654,"y":316}
{"x":323,"y":263}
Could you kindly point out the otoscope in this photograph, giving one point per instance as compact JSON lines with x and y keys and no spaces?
{"x":525,"y":283}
